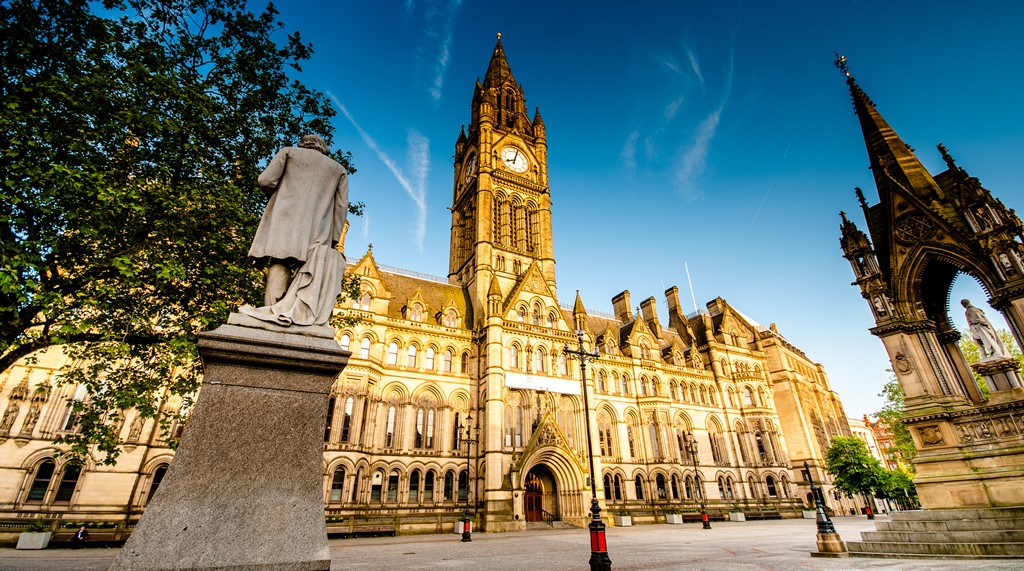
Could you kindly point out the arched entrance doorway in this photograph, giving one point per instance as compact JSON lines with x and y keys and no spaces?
{"x":541,"y":494}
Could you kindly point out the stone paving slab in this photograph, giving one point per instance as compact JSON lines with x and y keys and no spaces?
{"x":770,"y":545}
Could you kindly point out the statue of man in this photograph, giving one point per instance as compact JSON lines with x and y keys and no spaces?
{"x":985,"y":336}
{"x":299,"y":231}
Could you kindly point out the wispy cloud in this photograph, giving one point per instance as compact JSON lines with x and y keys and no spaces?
{"x":758,"y":212}
{"x":691,"y":54}
{"x":672,"y":108}
{"x":433,"y":54}
{"x":628,"y":153}
{"x":694,"y":157}
{"x":419,"y":166}
{"x":366,"y":227}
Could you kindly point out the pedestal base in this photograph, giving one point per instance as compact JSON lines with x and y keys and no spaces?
{"x":830,"y":545}
{"x":245,"y":490}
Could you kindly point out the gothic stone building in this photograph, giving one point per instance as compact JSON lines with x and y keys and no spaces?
{"x":484,"y":350}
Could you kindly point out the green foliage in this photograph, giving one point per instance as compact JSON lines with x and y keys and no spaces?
{"x":38,"y":525}
{"x":897,"y":485}
{"x":853,"y":469}
{"x":891,"y":415}
{"x":132,"y":142}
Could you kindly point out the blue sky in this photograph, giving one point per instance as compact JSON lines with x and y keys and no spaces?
{"x":715,"y":134}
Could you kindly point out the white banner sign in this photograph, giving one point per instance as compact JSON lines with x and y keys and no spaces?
{"x":539,"y":383}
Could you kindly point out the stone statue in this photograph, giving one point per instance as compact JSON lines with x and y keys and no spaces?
{"x":985,"y":336}
{"x":299,"y":231}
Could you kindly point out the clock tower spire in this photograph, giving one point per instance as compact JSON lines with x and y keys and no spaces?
{"x":501,"y":203}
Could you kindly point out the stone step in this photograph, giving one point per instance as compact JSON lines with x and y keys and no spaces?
{"x":879,"y":548}
{"x":999,"y":536}
{"x":966,"y":513}
{"x":992,"y":524}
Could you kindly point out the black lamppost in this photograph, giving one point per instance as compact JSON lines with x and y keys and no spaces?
{"x":467,"y":522}
{"x":824,"y":522}
{"x":691,"y":449}
{"x":599,"y":560}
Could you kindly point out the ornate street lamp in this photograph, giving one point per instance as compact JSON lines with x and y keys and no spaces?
{"x":464,"y":430}
{"x":691,"y":449}
{"x":599,"y":560}
{"x":824,"y":522}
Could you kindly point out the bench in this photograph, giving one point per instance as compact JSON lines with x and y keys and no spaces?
{"x":762,"y":515}
{"x":695,"y":517}
{"x":97,"y":538}
{"x":370,"y":529}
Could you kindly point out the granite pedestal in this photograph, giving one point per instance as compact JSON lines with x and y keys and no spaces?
{"x":245,"y":490}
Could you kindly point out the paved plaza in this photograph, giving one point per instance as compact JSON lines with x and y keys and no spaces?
{"x":782,"y":545}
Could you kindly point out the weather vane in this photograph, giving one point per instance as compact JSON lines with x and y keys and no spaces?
{"x":841,"y":64}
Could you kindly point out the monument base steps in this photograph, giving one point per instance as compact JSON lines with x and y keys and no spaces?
{"x":975,"y":533}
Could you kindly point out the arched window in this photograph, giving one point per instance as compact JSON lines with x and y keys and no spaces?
{"x":338,"y":485}
{"x":424,"y":428}
{"x":448,"y":361}
{"x":393,"y":353}
{"x":784,"y":487}
{"x":632,"y":445}
{"x":760,"y":447}
{"x":364,"y":302}
{"x":463,"y":485}
{"x":68,"y":481}
{"x":551,"y":320}
{"x":538,"y":360}
{"x":607,"y":487}
{"x":675,"y":487}
{"x":393,"y":486}
{"x":389,"y":427}
{"x":563,"y":366}
{"x":748,"y":396}
{"x":41,"y":481}
{"x":344,"y":342}
{"x":521,"y":314}
{"x":411,"y":359}
{"x":414,"y":486}
{"x":601,"y":383}
{"x":464,"y":363}
{"x":428,"y":360}
{"x":618,"y":487}
{"x":625,"y":385}
{"x":346,"y":419}
{"x":639,"y":486}
{"x":513,"y":357}
{"x":659,"y":484}
{"x":769,"y":482}
{"x":449,"y":485}
{"x":728,"y":488}
{"x":655,"y":444}
{"x":428,"y":486}
{"x":535,"y":316}
{"x":328,"y":426}
{"x":753,"y":488}
{"x":376,"y":485}
{"x":355,"y":485}
{"x":688,"y":487}
{"x":642,"y":387}
{"x":364,"y":348}
{"x":721,"y":487}
{"x":158,"y":476}
{"x":656,"y":388}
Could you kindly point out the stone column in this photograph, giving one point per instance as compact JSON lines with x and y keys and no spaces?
{"x":245,"y":490}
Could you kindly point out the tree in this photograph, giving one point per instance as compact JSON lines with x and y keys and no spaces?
{"x":891,"y":416}
{"x":133,"y":139}
{"x":853,"y":468}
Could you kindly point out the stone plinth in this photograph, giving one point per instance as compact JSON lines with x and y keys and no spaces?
{"x":830,"y":545}
{"x":245,"y":490}
{"x":999,"y":374}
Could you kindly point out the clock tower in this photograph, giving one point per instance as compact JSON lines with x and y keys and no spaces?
{"x":501,"y":203}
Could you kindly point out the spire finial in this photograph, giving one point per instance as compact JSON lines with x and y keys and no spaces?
{"x":840,"y":63}
{"x":499,"y":36}
{"x":860,"y":197}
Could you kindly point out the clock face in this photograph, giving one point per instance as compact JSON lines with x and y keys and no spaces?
{"x":470,"y":169}
{"x":514,"y":159}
